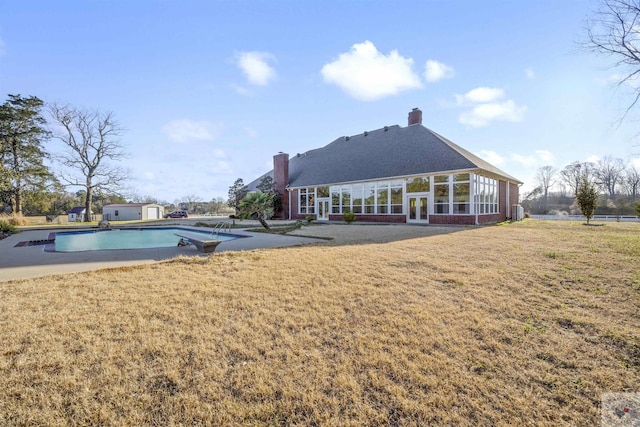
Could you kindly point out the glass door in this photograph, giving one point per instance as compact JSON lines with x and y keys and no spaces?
{"x":418,"y":209}
{"x":323,"y":209}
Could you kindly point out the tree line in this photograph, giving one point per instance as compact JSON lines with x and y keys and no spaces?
{"x":615,"y":181}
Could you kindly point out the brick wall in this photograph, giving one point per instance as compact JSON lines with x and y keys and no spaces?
{"x":397,"y":218}
{"x":452,"y":219}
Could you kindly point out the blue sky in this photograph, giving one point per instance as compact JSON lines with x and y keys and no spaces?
{"x":209,"y":91}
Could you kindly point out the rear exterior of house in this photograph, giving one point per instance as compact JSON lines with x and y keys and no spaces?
{"x":394,"y":174}
{"x":132,"y":211}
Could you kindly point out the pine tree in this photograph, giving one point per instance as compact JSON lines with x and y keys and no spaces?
{"x":22,"y":155}
{"x":587,"y":198}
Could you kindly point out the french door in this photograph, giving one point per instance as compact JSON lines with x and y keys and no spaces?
{"x":418,"y":209}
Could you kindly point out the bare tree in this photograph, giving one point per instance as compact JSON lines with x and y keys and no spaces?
{"x":608,"y":173}
{"x":92,"y":140}
{"x":191,"y":201}
{"x":614,"y":31}
{"x":546,"y":178}
{"x":573,"y":173}
{"x":632,"y":181}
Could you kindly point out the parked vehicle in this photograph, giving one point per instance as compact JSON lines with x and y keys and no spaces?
{"x":177,"y":214}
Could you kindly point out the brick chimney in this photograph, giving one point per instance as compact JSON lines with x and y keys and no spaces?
{"x":281,"y":178}
{"x":415,"y":117}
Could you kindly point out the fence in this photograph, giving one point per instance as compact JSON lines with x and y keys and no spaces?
{"x":622,"y":218}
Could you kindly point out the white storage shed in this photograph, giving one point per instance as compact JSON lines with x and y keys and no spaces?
{"x":132,"y":211}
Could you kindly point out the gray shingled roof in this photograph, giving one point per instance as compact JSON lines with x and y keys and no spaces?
{"x":389,"y":152}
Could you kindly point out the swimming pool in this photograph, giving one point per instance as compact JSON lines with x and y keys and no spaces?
{"x":128,"y":238}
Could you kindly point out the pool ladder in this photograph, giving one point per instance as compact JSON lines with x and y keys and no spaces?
{"x":221,"y":226}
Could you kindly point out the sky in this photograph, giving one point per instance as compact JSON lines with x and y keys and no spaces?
{"x":209,"y":91}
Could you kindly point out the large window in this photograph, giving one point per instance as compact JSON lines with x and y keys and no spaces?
{"x":306,"y":200}
{"x":356,"y":194}
{"x":441,"y":194}
{"x":396,"y":196}
{"x":382,"y":201}
{"x":486,"y":195}
{"x":461,"y":194}
{"x":380,"y":197}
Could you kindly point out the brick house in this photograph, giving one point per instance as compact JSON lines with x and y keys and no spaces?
{"x":393,"y":174}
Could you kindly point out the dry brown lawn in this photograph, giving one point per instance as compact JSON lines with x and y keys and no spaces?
{"x":522,"y":324}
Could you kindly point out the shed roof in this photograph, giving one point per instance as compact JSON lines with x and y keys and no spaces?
{"x":76,"y":210}
{"x":130,"y":205}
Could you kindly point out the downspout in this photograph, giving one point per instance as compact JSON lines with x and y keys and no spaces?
{"x":508,"y":207}
{"x":289,"y":191}
{"x":475,"y":195}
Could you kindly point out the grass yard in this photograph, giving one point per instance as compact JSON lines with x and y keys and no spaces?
{"x":521,"y":324}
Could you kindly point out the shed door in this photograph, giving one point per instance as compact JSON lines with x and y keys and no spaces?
{"x":152,"y":213}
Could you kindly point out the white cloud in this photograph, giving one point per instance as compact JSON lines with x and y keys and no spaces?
{"x":529,"y":73}
{"x":149,"y":176}
{"x":491,"y":157}
{"x":537,"y":159}
{"x":526,"y":161}
{"x":546,"y":156}
{"x":636,"y":162}
{"x":615,"y":79}
{"x":483,"y":114}
{"x":435,"y":71}
{"x":480,"y":94}
{"x":488,"y":105}
{"x":186,"y":130}
{"x":256,"y":67}
{"x":366,"y":74}
{"x":221,"y":167}
{"x":593,"y":158}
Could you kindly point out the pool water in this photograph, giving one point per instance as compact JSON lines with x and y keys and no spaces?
{"x":130,"y":238}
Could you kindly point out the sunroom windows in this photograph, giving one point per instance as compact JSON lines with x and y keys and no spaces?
{"x":486,"y":197}
{"x":448,"y":194}
{"x":380,"y":197}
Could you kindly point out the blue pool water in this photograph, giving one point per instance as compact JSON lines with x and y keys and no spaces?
{"x":132,"y":238}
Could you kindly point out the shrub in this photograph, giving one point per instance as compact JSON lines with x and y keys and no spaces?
{"x":6,"y":227}
{"x":14,"y":219}
{"x":349,"y":217}
{"x":638,"y":209}
{"x":309,"y":218}
{"x":527,"y":215}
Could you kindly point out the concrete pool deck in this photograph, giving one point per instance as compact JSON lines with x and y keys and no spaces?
{"x":32,"y":261}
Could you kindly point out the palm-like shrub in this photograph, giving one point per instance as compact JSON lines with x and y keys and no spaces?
{"x":257,"y":205}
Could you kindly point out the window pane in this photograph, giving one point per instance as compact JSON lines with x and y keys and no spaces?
{"x":357,"y":198}
{"x":441,"y":193}
{"x":461,"y":192}
{"x":441,"y":178}
{"x":441,"y":209}
{"x":346,"y":199}
{"x":461,"y":177}
{"x":322,"y":191}
{"x":396,"y":209}
{"x":369,"y":198}
{"x":460,"y":208}
{"x":311,"y":203}
{"x":396,"y":183}
{"x":418,"y":185}
{"x":396,"y":196}
{"x":335,"y":199}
